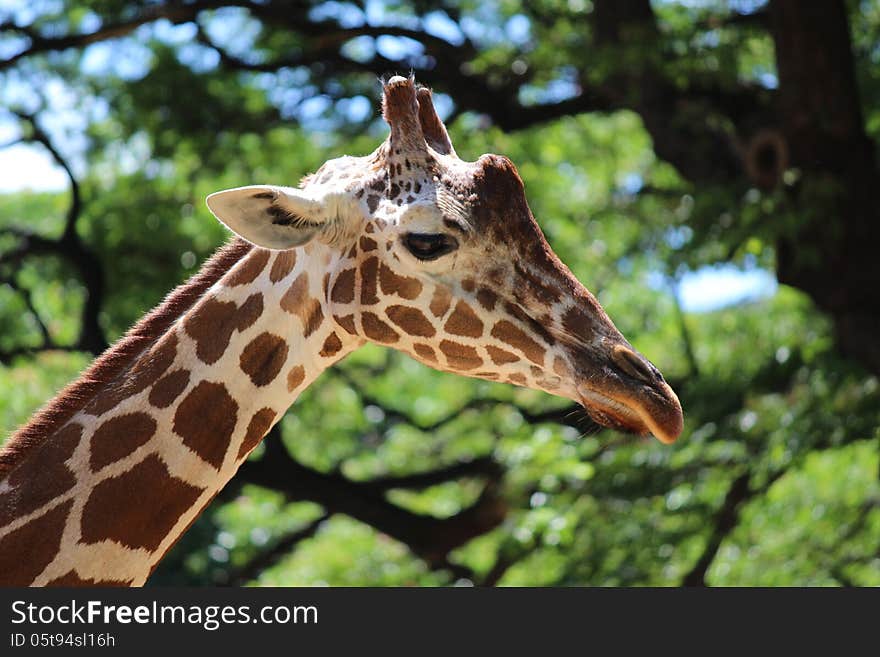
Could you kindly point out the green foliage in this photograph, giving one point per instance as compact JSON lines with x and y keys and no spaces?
{"x":765,"y":394}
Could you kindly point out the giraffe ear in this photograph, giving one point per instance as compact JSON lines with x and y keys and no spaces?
{"x":269,"y":216}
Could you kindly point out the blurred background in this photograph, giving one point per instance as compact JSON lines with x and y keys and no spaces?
{"x":706,"y":168}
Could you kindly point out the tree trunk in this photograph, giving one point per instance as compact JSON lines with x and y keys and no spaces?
{"x":830,"y":251}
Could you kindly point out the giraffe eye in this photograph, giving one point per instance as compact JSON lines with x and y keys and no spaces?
{"x":426,"y":246}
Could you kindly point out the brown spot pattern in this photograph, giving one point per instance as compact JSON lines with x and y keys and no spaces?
{"x":368,"y":244}
{"x":392,"y":283}
{"x":517,"y":338}
{"x":118,"y":437}
{"x":487,"y":298}
{"x":312,"y":316}
{"x":168,"y":388}
{"x":211,"y":326}
{"x":331,"y":346}
{"x":257,"y":428}
{"x":347,"y":323}
{"x":111,"y":512}
{"x":284,"y":263}
{"x":248,"y":270}
{"x":425,"y":352}
{"x":143,"y":373}
{"x":411,"y":320}
{"x":464,"y":321}
{"x":295,"y":377}
{"x":263,"y":358}
{"x":500,"y":356}
{"x":72,"y":579}
{"x":205,"y":420}
{"x":517,"y":378}
{"x":42,"y":477}
{"x":578,"y":324}
{"x":296,"y":294}
{"x":298,"y":302}
{"x":249,"y":312}
{"x":369,"y":276}
{"x":459,"y":356}
{"x":440,"y":302}
{"x":26,"y":551}
{"x":376,"y":329}
{"x":343,"y":287}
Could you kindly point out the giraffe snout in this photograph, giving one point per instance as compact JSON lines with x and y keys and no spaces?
{"x":628,"y":393}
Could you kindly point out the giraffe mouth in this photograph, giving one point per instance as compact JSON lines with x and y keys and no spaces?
{"x":649,"y":411}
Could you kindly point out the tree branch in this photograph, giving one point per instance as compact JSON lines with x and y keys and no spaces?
{"x":428,"y":537}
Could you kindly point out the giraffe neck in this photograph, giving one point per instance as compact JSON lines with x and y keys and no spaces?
{"x":103,"y":496}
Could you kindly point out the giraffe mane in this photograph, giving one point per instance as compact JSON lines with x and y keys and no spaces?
{"x":116,"y":360}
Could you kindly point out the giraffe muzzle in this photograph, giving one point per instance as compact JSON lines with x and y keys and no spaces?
{"x":631,"y":395}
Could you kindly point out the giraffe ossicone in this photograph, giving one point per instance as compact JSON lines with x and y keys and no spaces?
{"x":409,"y":247}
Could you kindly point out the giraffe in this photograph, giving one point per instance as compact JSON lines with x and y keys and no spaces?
{"x":409,"y":247}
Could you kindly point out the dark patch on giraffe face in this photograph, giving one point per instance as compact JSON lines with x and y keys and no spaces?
{"x":118,"y":437}
{"x":368,"y":244}
{"x":284,"y":263}
{"x":263,"y":358}
{"x":257,"y":428}
{"x":42,"y":477}
{"x":487,"y":298}
{"x":25,"y":552}
{"x":295,"y":377}
{"x":249,"y":312}
{"x":168,"y":388}
{"x":536,"y":327}
{"x":464,"y":321}
{"x":347,"y":323}
{"x":343,"y":287}
{"x":411,"y":320}
{"x":514,"y":336}
{"x":501,"y":356}
{"x":459,"y":356}
{"x":142,"y":374}
{"x":71,"y":579}
{"x":332,"y":345}
{"x":579,"y":324}
{"x":376,"y":329}
{"x":369,"y":281}
{"x":536,"y":286}
{"x":441,"y":301}
{"x":205,"y":419}
{"x":247,"y":272}
{"x":393,"y":283}
{"x":112,"y":512}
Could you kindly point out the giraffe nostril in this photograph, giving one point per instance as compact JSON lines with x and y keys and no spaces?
{"x":635,"y":366}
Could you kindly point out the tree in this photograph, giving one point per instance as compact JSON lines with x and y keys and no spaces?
{"x":666,"y":136}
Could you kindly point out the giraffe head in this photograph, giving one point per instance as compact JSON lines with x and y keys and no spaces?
{"x":442,"y":259}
